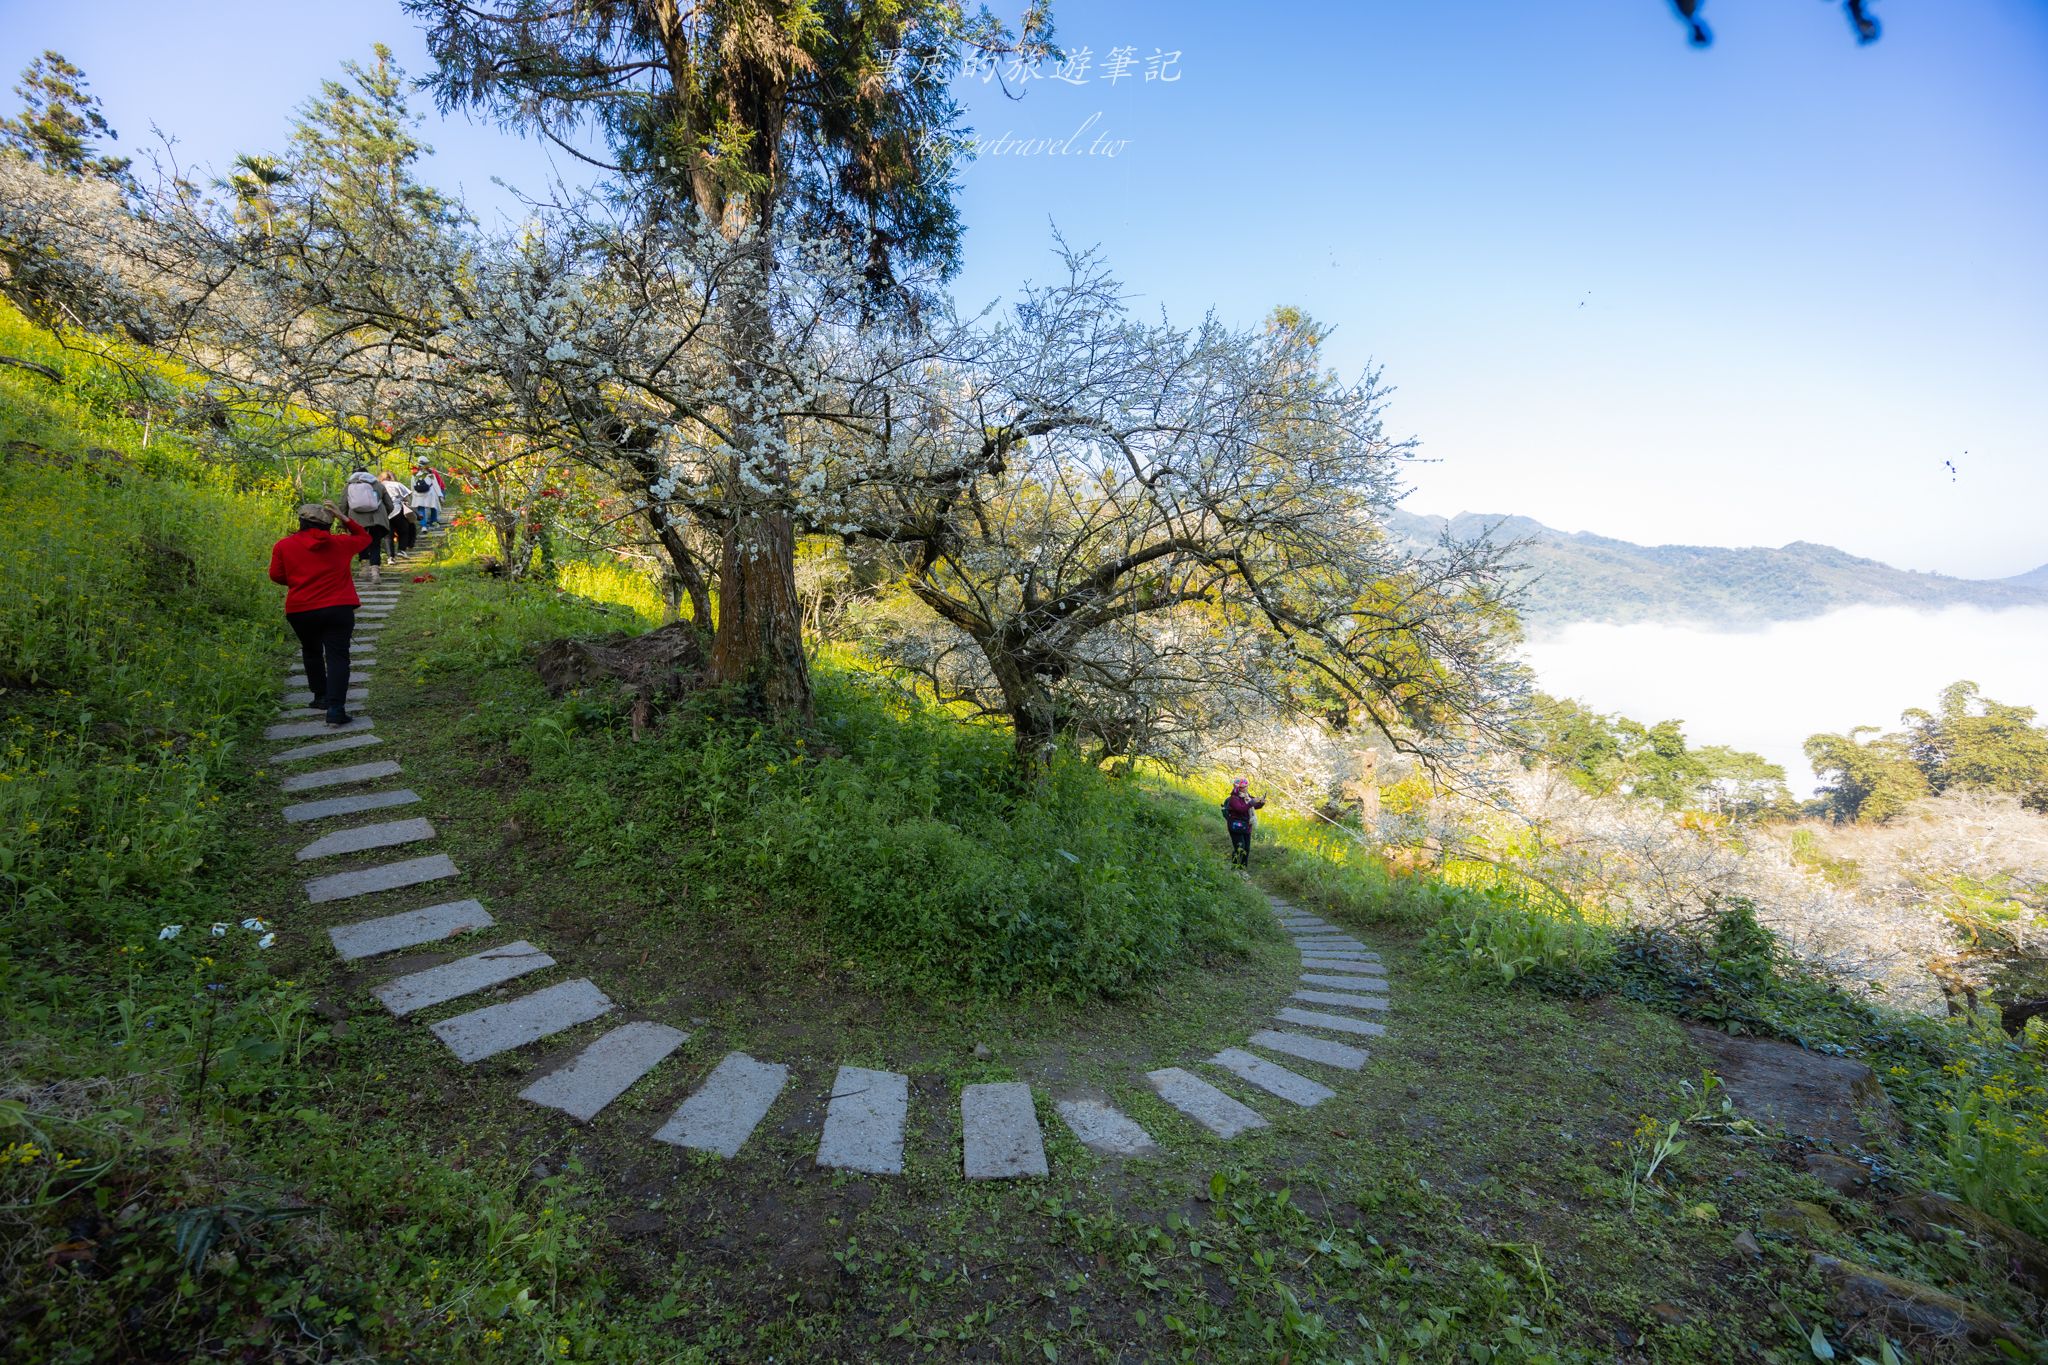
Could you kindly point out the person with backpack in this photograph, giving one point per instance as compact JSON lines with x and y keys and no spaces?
{"x":370,"y":507}
{"x":316,"y":566}
{"x":1237,"y":818}
{"x":426,"y":493}
{"x":404,"y":525}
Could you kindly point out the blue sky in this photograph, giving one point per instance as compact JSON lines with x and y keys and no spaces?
{"x":1742,"y":296}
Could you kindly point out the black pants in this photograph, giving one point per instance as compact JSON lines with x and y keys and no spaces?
{"x":407,"y":531}
{"x":1240,"y":845}
{"x":323,"y":639}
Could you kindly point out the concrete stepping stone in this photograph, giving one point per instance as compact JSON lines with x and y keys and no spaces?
{"x":365,"y":837}
{"x":301,"y":683}
{"x":1339,"y":964}
{"x":1335,"y":1023}
{"x":334,"y":777}
{"x":1204,"y":1103}
{"x":1105,"y":1129}
{"x":727,"y":1108}
{"x":409,"y":929}
{"x":316,"y":712}
{"x":999,"y":1137}
{"x":1272,"y":1077}
{"x":348,"y":805}
{"x":367,"y":881}
{"x":1311,"y":1049}
{"x":864,"y":1121}
{"x":1359,"y":983}
{"x":325,"y":747}
{"x":313,"y":729}
{"x":1329,"y":955}
{"x":500,"y":1028}
{"x":290,"y":700}
{"x":1350,"y":1000}
{"x":606,"y":1069}
{"x":465,"y":976}
{"x":1330,"y":940}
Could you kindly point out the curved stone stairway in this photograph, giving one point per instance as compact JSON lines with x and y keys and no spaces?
{"x":1343,"y":988}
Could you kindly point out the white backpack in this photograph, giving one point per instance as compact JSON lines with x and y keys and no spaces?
{"x":362,"y":497}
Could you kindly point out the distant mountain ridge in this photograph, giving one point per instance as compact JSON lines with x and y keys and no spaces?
{"x":1578,"y":576}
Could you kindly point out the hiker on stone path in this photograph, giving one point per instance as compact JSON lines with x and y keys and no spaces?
{"x":369,"y":506}
{"x":1237,"y":816}
{"x":426,"y":493}
{"x":320,"y":601}
{"x":405,"y":527}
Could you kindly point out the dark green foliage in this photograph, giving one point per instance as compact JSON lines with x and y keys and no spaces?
{"x":1973,"y":744}
{"x":1611,"y":754}
{"x":837,"y":116}
{"x":60,"y":125}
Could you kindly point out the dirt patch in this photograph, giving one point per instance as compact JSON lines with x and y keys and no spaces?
{"x":661,"y":665}
{"x":1830,"y":1099}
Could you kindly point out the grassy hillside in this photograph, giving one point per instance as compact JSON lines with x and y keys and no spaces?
{"x":215,"y":1149}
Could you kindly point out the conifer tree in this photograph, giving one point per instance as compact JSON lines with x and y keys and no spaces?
{"x":60,"y":126}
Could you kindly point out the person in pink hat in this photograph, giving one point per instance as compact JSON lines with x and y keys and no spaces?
{"x":1237,"y":817}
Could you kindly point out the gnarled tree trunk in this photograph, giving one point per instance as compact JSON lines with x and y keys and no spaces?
{"x":759,"y":645}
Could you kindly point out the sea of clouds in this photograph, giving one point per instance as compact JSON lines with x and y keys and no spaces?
{"x":1767,"y":690}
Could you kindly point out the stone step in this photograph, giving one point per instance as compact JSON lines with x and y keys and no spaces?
{"x":367,"y":881}
{"x":363,"y":838}
{"x":500,"y":1028}
{"x":325,"y":747}
{"x":1335,"y":1023}
{"x":1358,"y":983}
{"x":348,"y":805}
{"x":726,"y":1109}
{"x":999,"y":1137}
{"x":864,"y":1121}
{"x":351,"y":702}
{"x":290,"y":700}
{"x":1328,"y":941}
{"x":312,"y":729}
{"x":1350,"y":1000}
{"x":408,"y":929}
{"x":1311,"y":1049}
{"x":1272,"y":1077}
{"x":606,"y":1069}
{"x":334,"y":777}
{"x":466,"y":975}
{"x":1352,"y":959}
{"x":299,"y":681}
{"x":1204,"y":1103}
{"x":1103,"y":1128}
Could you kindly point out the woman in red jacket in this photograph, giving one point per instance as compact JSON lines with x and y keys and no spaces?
{"x":320,"y":600}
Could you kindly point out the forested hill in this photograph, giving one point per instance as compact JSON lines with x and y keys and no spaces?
{"x":1585,"y":577}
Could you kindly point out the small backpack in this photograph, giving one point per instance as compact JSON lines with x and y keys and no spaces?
{"x":362,"y":497}
{"x":422,"y":484}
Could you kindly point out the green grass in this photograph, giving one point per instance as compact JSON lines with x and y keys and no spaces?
{"x":890,"y":837}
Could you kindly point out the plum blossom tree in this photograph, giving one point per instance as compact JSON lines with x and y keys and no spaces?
{"x":1121,"y":514}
